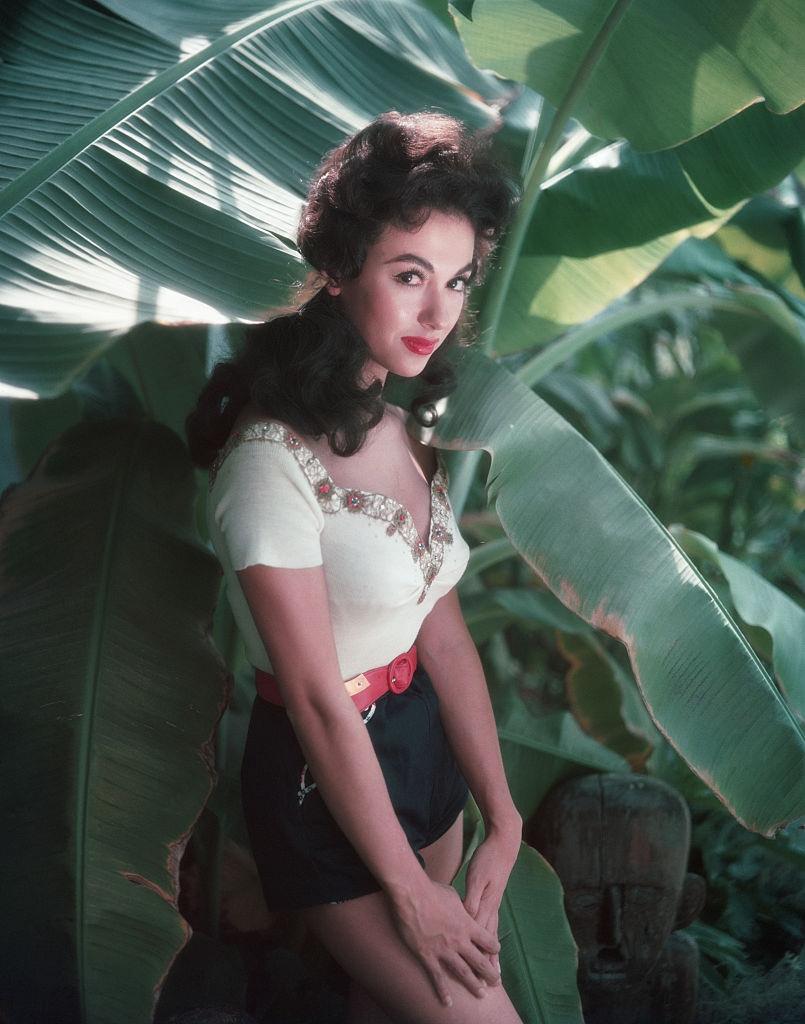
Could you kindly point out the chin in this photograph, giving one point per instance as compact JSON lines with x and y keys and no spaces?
{"x":414,"y":365}
{"x":409,"y":372}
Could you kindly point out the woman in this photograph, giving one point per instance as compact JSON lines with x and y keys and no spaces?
{"x":341,"y":554}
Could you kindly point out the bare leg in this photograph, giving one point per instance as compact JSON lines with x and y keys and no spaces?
{"x":361,"y":935}
{"x":442,"y":861}
{"x":362,"y":1009}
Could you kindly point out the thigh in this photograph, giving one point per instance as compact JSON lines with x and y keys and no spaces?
{"x":361,"y":935}
{"x":443,"y":858}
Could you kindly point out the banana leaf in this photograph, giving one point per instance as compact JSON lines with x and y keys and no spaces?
{"x":540,"y":608}
{"x":536,"y":940}
{"x":763,"y":325}
{"x":717,"y":163}
{"x":193,"y":23}
{"x":595,"y":544}
{"x":670,"y":70}
{"x":760,"y":603}
{"x":540,"y":740}
{"x":769,"y":237}
{"x":538,"y":956}
{"x":602,"y":226}
{"x":111,"y":691}
{"x":598,"y":695}
{"x":179,"y":115}
{"x":177,"y":199}
{"x":539,"y":750}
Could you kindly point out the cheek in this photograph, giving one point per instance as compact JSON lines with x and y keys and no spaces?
{"x":396,"y":308}
{"x":369,"y":315}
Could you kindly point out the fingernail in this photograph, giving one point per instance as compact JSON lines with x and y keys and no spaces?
{"x":448,"y":1001}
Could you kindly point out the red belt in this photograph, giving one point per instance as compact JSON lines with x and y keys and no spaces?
{"x":364,"y":689}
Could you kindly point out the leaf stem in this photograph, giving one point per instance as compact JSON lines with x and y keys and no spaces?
{"x":493,"y":307}
{"x":492,"y":310}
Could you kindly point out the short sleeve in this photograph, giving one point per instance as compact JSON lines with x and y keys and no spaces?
{"x":261,"y":509}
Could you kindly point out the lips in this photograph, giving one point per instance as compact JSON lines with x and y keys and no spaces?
{"x":421,"y":346}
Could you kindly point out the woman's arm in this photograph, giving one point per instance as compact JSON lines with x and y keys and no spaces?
{"x":291,"y":612}
{"x":447,"y":652}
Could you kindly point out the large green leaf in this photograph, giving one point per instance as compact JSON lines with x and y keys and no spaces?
{"x":64,"y":63}
{"x":671,"y":69}
{"x":602,"y":227}
{"x":179,"y":200}
{"x":540,"y":740}
{"x":769,"y":237}
{"x":193,"y":23}
{"x":763,"y":325}
{"x":538,"y":956}
{"x":111,"y":691}
{"x":540,"y":749}
{"x":760,"y":603}
{"x":602,"y":552}
{"x":599,"y":697}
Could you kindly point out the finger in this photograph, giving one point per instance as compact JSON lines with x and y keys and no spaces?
{"x":468,"y":977}
{"x":439,"y":980}
{"x":472,"y":899}
{"x":485,"y":917}
{"x":490,"y":922}
{"x":485,"y":940}
{"x":480,"y":964}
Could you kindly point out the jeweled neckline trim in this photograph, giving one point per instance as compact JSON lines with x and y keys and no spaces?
{"x":332,"y":498}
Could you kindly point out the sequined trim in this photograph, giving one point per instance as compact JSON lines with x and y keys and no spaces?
{"x":332,"y":498}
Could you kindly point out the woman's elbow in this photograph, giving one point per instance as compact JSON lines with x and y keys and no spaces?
{"x":314,"y":703}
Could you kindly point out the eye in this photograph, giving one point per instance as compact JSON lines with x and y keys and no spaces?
{"x":407,"y":273}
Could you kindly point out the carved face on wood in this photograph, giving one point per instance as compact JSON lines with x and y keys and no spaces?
{"x":619,"y":844}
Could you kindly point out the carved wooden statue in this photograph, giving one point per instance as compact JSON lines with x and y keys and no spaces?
{"x":619,"y":844}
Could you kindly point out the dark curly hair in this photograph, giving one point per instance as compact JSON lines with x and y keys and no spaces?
{"x":304,"y":365}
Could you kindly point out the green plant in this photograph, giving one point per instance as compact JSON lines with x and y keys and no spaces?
{"x":162,"y":181}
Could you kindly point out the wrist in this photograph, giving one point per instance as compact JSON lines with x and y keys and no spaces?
{"x":506,"y":824}
{"x":407,"y":889}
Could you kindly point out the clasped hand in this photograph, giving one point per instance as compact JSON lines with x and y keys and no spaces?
{"x":447,"y":940}
{"x":487,"y":874}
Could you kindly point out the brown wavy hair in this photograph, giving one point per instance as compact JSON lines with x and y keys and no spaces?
{"x":304,"y":365}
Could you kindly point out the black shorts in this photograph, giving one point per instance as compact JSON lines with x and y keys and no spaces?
{"x":302,"y":855}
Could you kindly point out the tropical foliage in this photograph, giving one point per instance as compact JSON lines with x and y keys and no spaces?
{"x":642,"y":364}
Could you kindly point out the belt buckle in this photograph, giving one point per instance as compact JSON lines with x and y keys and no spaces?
{"x":400,"y":673}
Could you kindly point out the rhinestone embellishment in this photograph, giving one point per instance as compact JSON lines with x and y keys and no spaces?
{"x":332,"y":498}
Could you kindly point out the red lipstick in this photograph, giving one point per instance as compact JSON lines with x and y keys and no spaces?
{"x":421,"y":346}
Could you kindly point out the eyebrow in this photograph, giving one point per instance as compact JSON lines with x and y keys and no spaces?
{"x":406,"y":257}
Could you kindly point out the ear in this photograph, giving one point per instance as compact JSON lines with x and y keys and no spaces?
{"x":333,"y":288}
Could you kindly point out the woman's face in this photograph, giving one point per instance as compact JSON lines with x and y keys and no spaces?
{"x":410,"y":292}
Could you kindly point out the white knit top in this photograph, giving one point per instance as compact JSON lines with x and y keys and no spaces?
{"x":272,"y":502}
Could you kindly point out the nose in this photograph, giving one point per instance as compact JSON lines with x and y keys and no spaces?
{"x":612,"y":916}
{"x":435,"y":311}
